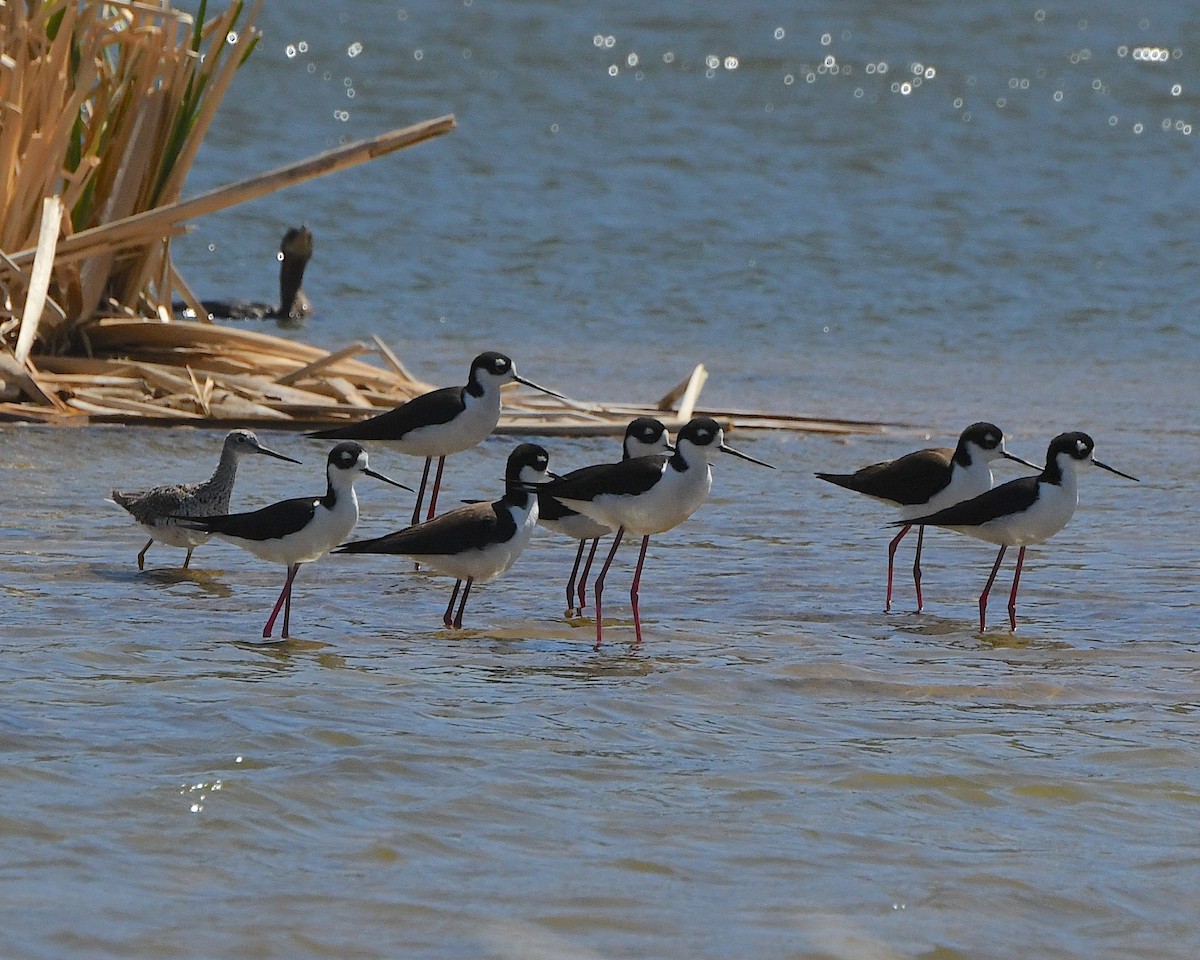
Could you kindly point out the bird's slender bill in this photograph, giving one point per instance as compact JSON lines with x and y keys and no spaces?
{"x":394,"y":483}
{"x":536,"y":386}
{"x":1105,"y":466}
{"x":277,"y":456}
{"x":1013,"y":456}
{"x":725,"y":448}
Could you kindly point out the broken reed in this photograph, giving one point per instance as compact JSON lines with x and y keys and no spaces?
{"x":105,"y":105}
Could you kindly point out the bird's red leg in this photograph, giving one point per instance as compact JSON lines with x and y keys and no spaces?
{"x":571,"y":581}
{"x":437,"y":485}
{"x":284,"y":595}
{"x":416,"y":517}
{"x":887,"y":606}
{"x":917,"y":567}
{"x":633,"y":590}
{"x":1012,"y":597}
{"x":598,"y":588}
{"x":462,"y":605}
{"x":986,"y":590}
{"x":583,"y":577}
{"x":446,"y":618}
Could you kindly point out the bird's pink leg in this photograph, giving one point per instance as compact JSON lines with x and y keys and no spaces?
{"x":986,"y":590}
{"x":446,"y":618}
{"x":1012,"y":597}
{"x":633,"y":590}
{"x":598,"y":587}
{"x":583,"y":576}
{"x":285,"y":595}
{"x":416,"y":517}
{"x":887,"y":606}
{"x":917,"y":567}
{"x":571,"y":582}
{"x":437,"y":485}
{"x":462,"y":605}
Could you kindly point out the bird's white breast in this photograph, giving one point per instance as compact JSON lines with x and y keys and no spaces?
{"x":325,"y":531}
{"x":471,"y":427}
{"x":1049,"y":513}
{"x":965,"y":483}
{"x":674,"y":498}
{"x":495,"y":558}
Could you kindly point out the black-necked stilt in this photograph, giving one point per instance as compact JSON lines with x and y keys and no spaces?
{"x":300,"y":530}
{"x":295,"y":250}
{"x":646,"y":495}
{"x":156,"y":508}
{"x":478,"y":541}
{"x":441,"y":422}
{"x":644,"y":437}
{"x":928,"y":480}
{"x":1023,"y":511}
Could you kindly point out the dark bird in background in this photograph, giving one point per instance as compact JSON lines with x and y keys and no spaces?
{"x":295,"y":250}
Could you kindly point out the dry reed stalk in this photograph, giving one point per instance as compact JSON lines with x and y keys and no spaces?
{"x":105,"y":105}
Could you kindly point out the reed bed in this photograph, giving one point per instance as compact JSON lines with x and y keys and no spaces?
{"x":103,"y":107}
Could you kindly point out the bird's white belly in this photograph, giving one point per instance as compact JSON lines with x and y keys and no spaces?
{"x":577,"y":526}
{"x":469,"y":428}
{"x":489,"y":561}
{"x":963,"y":485}
{"x":1047,"y":515}
{"x":327,"y":529}
{"x":665,"y":505}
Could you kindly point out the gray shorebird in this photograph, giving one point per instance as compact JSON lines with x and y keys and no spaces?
{"x":156,"y":508}
{"x":926,"y":481}
{"x":644,"y":437}
{"x":476,"y":542}
{"x":1024,"y":511}
{"x":302,"y":529}
{"x":441,"y":422}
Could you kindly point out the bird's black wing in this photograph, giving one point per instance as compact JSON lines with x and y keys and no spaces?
{"x":914,"y":478}
{"x":467,"y":528}
{"x":269,"y":523}
{"x":628,"y":477}
{"x":437,"y":406}
{"x":1001,"y":501}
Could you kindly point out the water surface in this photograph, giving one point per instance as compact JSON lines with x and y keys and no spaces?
{"x":781,"y":769}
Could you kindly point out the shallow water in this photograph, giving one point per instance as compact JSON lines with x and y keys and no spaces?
{"x":781,"y":769}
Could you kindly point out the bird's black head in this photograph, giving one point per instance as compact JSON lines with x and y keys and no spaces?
{"x":297,"y":242}
{"x":645,"y":430}
{"x":527,"y":464}
{"x":701,"y":432}
{"x":492,"y":363}
{"x":1076,"y":445}
{"x":347,"y":455}
{"x":986,"y":436}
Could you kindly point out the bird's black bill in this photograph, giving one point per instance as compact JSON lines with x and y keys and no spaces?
{"x":277,"y":456}
{"x":1012,"y":456}
{"x":394,"y":483}
{"x":1105,"y":466}
{"x":725,"y":448}
{"x":536,"y":386}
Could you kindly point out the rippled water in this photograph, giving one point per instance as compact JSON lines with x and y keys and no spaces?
{"x":781,"y":769}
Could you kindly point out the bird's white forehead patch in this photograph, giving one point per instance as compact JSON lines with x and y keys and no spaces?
{"x":1080,"y":447}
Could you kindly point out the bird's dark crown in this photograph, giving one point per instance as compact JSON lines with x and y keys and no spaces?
{"x":345,"y":455}
{"x":497,"y":364}
{"x":702,"y":431}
